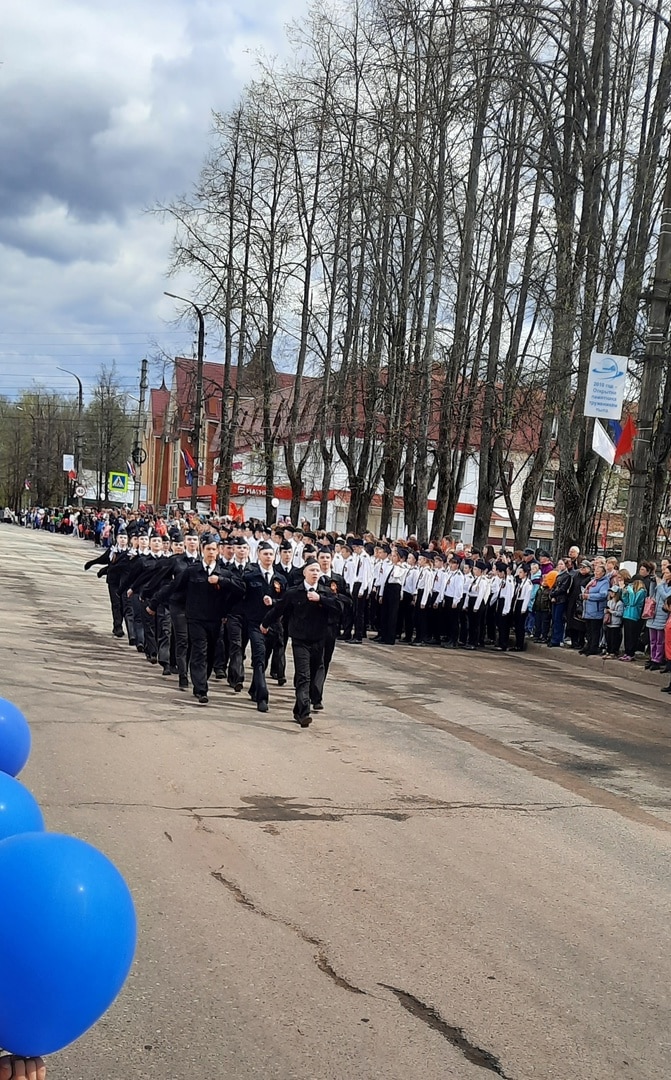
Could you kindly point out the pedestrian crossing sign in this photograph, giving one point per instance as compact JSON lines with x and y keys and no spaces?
{"x":118,"y":483}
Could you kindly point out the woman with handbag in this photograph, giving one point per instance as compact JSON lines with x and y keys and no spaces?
{"x":656,"y":615}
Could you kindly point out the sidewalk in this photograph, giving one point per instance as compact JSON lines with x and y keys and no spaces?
{"x":635,"y":671}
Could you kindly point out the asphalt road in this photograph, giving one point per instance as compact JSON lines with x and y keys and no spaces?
{"x":461,"y":869}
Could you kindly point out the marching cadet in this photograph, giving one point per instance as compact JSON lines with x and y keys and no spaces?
{"x":435,"y":606}
{"x":336,"y":583}
{"x":148,"y":551}
{"x":176,"y":604}
{"x":207,"y":589}
{"x":227,"y":557}
{"x":235,"y":620}
{"x":307,"y":608}
{"x":263,"y":589}
{"x":118,"y":562}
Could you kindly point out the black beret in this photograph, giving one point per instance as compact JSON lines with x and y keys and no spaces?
{"x":285,"y":545}
{"x":264,"y":545}
{"x":500,"y":566}
{"x":177,"y":538}
{"x":481,"y":565}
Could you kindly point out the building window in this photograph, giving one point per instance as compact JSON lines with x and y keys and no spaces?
{"x":622,"y":496}
{"x":548,"y":488}
{"x":457,"y":529}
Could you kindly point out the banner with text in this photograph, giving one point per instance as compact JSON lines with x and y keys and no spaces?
{"x":605,"y":386}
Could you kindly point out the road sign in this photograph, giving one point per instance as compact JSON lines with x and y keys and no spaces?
{"x":118,"y":483}
{"x":80,"y":491}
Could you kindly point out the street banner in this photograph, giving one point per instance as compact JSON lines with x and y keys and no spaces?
{"x":602,"y":445}
{"x":605,"y":386}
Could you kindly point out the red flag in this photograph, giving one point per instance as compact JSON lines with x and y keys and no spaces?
{"x":72,"y":475}
{"x":625,"y":444}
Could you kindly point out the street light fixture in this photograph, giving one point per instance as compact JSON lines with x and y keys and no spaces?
{"x":78,"y":437}
{"x":199,"y":393}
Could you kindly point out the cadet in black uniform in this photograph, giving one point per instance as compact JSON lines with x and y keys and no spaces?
{"x":263,"y":588}
{"x":307,"y":608}
{"x":208,"y":588}
{"x":336,"y":583}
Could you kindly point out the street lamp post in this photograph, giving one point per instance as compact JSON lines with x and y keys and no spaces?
{"x":199,"y":394}
{"x":78,"y":436}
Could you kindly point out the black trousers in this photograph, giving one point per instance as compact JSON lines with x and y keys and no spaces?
{"x":138,"y":621}
{"x":150,"y":631}
{"x":421,"y":622}
{"x":451,"y":621}
{"x":180,"y":633}
{"x":391,"y":598}
{"x":276,"y":644}
{"x":329,"y":647}
{"x":308,"y":675}
{"x":203,"y":638}
{"x":631,"y":634}
{"x":593,"y":628}
{"x":520,"y":622}
{"x":613,"y":638}
{"x":117,"y":608}
{"x":221,"y":655}
{"x":502,"y":625}
{"x":128,"y":617}
{"x":359,"y":610}
{"x":237,"y":643}
{"x":475,"y":620}
{"x":258,"y":690}
{"x":407,"y":615}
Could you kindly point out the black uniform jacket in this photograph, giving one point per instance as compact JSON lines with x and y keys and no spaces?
{"x":256,"y":588}
{"x":307,"y":621}
{"x":204,"y":602}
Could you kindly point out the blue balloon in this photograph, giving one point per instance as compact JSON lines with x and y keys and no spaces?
{"x":19,"y":811}
{"x":14,"y":738}
{"x":67,"y":939}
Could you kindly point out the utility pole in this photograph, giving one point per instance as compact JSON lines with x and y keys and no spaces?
{"x":78,"y":435}
{"x":198,"y":408}
{"x":651,"y":382}
{"x":138,"y":455}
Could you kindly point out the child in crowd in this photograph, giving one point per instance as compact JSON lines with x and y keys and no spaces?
{"x":612,"y":621}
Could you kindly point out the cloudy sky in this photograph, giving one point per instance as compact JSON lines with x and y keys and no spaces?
{"x":105,"y":108}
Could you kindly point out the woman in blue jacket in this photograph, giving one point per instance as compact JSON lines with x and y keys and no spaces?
{"x":595,"y":596}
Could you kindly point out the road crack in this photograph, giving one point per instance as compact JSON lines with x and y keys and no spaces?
{"x":321,"y":957}
{"x":454,"y":1035}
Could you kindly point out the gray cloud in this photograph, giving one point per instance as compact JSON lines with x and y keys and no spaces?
{"x":106,"y":110}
